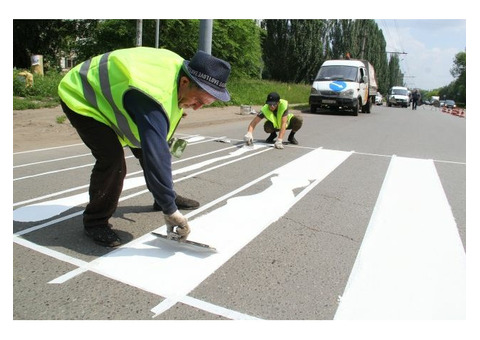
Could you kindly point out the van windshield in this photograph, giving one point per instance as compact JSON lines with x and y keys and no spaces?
{"x":337,"y":72}
{"x":399,"y":92}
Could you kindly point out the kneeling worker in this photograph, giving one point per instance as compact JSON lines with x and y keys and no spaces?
{"x":278,"y":119}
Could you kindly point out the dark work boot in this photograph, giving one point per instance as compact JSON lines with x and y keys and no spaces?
{"x":270,"y":138}
{"x":103,"y":235}
{"x":291,"y":138}
{"x":182,"y":203}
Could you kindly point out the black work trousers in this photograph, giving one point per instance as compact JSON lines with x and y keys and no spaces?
{"x":109,"y":171}
{"x":295,"y":124}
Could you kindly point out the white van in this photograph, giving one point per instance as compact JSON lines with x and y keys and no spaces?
{"x":344,"y":85}
{"x":398,"y":96}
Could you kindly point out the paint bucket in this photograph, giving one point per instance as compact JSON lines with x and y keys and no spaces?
{"x":245,"y":109}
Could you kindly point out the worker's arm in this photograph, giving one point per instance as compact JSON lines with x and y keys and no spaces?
{"x":253,"y":124}
{"x":157,"y":162}
{"x":248,"y":138}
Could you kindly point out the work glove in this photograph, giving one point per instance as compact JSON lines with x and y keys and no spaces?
{"x":278,"y":144}
{"x":177,"y":226}
{"x":248,"y":138}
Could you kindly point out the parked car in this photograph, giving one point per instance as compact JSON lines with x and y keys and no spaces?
{"x":379,"y":99}
{"x":450,"y":104}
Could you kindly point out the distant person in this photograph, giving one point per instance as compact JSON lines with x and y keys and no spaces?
{"x":415,"y":99}
{"x":278,"y":119}
{"x":135,"y":97}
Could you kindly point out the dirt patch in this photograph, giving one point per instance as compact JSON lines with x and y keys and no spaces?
{"x":36,"y":129}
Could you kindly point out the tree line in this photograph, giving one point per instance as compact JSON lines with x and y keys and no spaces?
{"x":285,"y":50}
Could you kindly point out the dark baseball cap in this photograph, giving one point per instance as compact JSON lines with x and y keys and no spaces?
{"x":210,"y":73}
{"x":273,"y":98}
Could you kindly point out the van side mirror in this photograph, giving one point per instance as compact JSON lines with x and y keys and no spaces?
{"x":365,"y":79}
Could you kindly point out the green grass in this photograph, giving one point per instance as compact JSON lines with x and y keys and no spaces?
{"x":254,"y":92}
{"x":243,"y":92}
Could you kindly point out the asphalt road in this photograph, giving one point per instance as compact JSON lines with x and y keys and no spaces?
{"x":286,"y":251}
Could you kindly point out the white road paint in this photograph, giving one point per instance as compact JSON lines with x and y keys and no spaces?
{"x":411,"y":264}
{"x":233,"y":154}
{"x":172,"y":271}
{"x":58,"y":193}
{"x":48,"y":209}
{"x":47,"y":149}
{"x":52,"y":160}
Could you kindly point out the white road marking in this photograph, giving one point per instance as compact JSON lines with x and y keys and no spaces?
{"x":206,"y":306}
{"x":172,"y":271}
{"x":411,"y":264}
{"x":58,"y":193}
{"x":52,"y":160}
{"x":48,"y":209}
{"x":47,"y":149}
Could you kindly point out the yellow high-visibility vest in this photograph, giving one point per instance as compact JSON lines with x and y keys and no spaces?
{"x":95,"y":88}
{"x":277,"y":119}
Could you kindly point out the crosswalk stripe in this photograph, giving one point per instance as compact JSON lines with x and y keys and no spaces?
{"x":411,"y":264}
{"x":165,"y":269}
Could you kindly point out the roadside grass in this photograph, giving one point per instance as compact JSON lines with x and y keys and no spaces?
{"x":255,"y":91}
{"x":43,"y":93}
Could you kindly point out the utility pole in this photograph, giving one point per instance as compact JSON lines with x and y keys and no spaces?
{"x":205,"y":39}
{"x":157,"y":32}
{"x":139,"y":32}
{"x":397,"y":52}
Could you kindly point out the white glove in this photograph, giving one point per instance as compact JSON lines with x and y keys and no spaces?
{"x":278,"y":144}
{"x":248,"y":138}
{"x":180,"y":233}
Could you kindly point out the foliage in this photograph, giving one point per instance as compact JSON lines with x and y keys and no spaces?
{"x":103,"y":36}
{"x":238,"y":41}
{"x":244,"y":91}
{"x":292,"y":49}
{"x":44,"y":37}
{"x":43,"y":86}
{"x":395,"y":75}
{"x":43,"y":93}
{"x":459,"y":70}
{"x":255,"y":91}
{"x":283,"y":50}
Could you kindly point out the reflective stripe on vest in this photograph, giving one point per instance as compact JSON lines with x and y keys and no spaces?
{"x":89,"y":93}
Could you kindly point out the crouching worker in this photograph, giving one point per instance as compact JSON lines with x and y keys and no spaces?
{"x":279,"y":120}
{"x":135,"y":97}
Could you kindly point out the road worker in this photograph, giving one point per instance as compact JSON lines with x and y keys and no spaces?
{"x":278,"y":119}
{"x":135,"y":97}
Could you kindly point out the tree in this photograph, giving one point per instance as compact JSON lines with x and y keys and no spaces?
{"x":238,"y":42}
{"x":292,"y":49}
{"x":45,"y":37}
{"x":395,"y":74}
{"x":459,"y":71}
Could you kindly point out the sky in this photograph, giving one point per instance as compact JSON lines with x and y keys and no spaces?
{"x":431,"y":46}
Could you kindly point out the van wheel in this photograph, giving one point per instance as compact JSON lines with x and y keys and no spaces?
{"x":355,"y":109}
{"x":366,"y":107}
{"x":313,"y":108}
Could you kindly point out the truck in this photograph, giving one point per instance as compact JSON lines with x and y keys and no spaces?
{"x":344,"y":85}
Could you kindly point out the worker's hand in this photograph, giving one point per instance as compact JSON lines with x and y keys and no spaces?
{"x":279,"y":144}
{"x":177,"y":226}
{"x":248,"y":138}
